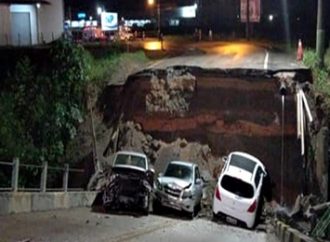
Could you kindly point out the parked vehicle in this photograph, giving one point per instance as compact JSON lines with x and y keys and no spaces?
{"x":180,"y":187}
{"x":91,"y":33}
{"x":131,"y":182}
{"x":238,"y":192}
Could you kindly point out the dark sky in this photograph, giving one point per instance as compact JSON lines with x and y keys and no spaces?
{"x":119,"y":5}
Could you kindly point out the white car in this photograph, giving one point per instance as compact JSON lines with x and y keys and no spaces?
{"x":180,"y":187}
{"x":238,"y":190}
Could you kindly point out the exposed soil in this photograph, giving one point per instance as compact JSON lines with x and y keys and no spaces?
{"x":226,"y":110}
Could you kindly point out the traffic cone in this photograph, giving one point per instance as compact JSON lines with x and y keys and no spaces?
{"x":300,"y":51}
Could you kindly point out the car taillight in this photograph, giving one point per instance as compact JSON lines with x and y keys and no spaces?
{"x":217,"y":193}
{"x":253,"y":207}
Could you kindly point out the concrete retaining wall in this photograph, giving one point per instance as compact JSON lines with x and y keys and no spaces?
{"x":287,"y":234}
{"x":17,"y":202}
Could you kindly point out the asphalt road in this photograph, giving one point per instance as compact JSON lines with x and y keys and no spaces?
{"x":228,"y":55}
{"x":83,"y":225}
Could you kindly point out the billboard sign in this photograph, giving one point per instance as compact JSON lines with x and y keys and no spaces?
{"x":254,"y":12}
{"x":109,"y":21}
{"x":81,"y":15}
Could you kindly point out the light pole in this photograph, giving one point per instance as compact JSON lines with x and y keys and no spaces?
{"x":151,"y":3}
{"x":38,"y":5}
{"x":247,"y":20}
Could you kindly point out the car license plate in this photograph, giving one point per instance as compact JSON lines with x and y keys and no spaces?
{"x":231,"y":220}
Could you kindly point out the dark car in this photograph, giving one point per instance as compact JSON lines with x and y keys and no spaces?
{"x":130,"y":184}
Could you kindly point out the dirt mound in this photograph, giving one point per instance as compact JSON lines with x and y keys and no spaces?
{"x":171,"y":94}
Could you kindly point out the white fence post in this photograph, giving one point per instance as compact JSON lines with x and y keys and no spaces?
{"x":43,"y":180}
{"x":66,"y":177}
{"x":15,"y":174}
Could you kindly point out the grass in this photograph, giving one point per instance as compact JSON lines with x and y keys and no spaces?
{"x":321,"y":75}
{"x":103,"y":69}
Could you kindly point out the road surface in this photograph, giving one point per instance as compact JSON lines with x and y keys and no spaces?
{"x":228,"y":55}
{"x":83,"y":225}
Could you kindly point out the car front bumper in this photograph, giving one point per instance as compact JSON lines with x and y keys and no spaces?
{"x":221,"y":210}
{"x":177,"y":203}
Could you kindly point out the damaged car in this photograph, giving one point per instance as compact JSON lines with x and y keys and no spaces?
{"x":130,"y":183}
{"x":180,"y":188}
{"x":238,"y":194}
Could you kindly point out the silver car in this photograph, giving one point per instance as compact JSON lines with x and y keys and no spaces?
{"x":180,"y":187}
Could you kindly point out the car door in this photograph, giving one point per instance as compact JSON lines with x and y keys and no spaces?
{"x":258,"y":181}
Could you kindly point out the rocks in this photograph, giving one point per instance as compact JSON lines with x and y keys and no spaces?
{"x":172,"y":94}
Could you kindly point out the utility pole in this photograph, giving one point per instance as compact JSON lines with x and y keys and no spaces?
{"x":320,"y":33}
{"x":247,"y":27}
{"x":158,"y":17}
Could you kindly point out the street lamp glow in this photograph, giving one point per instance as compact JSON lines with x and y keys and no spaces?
{"x":38,"y":5}
{"x":151,"y":2}
{"x":99,"y":10}
{"x":271,"y":17}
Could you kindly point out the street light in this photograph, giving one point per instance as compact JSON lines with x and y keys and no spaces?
{"x":270,"y":17}
{"x":151,"y":3}
{"x":38,"y":6}
{"x":99,"y":10}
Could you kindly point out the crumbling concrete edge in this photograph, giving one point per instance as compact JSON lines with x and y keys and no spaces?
{"x":18,"y":202}
{"x":287,"y":234}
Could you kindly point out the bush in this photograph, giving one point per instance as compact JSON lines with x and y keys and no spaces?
{"x":41,"y":111}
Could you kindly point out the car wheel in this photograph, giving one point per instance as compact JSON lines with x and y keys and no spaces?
{"x":156,"y":206}
{"x":146,"y":204}
{"x":215,"y":217}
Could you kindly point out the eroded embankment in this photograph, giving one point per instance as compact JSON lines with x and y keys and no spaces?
{"x":228,"y":111}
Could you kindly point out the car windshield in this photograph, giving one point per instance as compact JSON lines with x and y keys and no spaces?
{"x":179,"y":171}
{"x":132,"y":160}
{"x":237,"y":186}
{"x":243,"y":163}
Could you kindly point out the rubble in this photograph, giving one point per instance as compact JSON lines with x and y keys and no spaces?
{"x":305,"y":214}
{"x":172,"y":93}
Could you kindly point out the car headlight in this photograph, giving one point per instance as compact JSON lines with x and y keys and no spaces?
{"x":187,"y":194}
{"x":158,"y":185}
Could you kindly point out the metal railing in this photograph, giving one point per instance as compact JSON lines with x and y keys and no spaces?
{"x":43,"y":179}
{"x":27,"y":40}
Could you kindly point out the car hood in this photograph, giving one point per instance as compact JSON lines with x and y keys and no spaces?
{"x":174,"y":182}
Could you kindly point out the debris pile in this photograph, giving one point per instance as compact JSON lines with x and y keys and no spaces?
{"x":172,"y":93}
{"x":130,"y":136}
{"x":306,"y":214}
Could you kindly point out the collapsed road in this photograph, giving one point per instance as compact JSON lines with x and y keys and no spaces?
{"x":221,"y":110}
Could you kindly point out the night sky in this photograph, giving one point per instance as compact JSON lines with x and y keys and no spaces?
{"x":219,"y":14}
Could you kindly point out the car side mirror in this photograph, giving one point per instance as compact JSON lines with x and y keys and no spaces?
{"x":224,"y":159}
{"x":160,"y":174}
{"x":198,"y":181}
{"x":152,"y":170}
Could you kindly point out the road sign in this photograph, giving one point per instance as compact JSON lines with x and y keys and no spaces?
{"x":254,"y":12}
{"x":109,"y":21}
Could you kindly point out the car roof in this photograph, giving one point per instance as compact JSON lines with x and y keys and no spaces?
{"x":251,"y":157}
{"x":183,"y":163}
{"x":131,"y":153}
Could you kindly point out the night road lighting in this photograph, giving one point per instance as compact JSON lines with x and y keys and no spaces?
{"x":271,"y":17}
{"x":99,"y":10}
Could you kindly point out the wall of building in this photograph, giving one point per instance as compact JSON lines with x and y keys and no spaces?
{"x":4,"y":24}
{"x":31,"y":9}
{"x":51,"y":20}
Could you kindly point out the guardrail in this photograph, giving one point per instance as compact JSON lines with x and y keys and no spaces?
{"x":43,"y":179}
